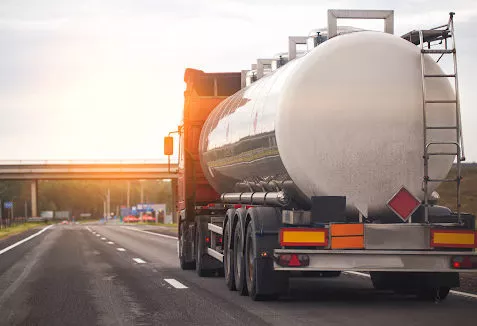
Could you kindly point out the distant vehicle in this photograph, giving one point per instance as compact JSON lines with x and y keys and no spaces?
{"x":148,"y":218}
{"x":326,"y":164}
{"x":65,"y":222}
{"x":130,"y":219}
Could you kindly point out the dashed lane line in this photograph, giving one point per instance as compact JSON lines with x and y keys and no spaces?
{"x":149,"y":232}
{"x":139,"y":260}
{"x":104,"y":239}
{"x":120,"y":249}
{"x":175,"y":283}
{"x":24,"y":240}
{"x":463,"y":294}
{"x":110,"y":242}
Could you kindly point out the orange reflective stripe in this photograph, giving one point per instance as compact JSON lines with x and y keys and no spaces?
{"x":303,"y":237}
{"x":340,"y":230}
{"x":353,"y":242}
{"x":453,"y":238}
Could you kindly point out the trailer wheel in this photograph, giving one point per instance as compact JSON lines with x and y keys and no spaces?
{"x":228,"y":257}
{"x":433,"y":294}
{"x":253,"y":277}
{"x":380,"y":281}
{"x":185,"y":265}
{"x":239,"y":262}
{"x":200,"y":261}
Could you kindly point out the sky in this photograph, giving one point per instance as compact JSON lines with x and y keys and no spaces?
{"x":103,"y":79}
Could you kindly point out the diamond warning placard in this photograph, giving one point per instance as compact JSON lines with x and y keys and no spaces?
{"x":403,"y":203}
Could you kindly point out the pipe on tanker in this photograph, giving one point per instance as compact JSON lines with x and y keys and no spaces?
{"x":257,"y":198}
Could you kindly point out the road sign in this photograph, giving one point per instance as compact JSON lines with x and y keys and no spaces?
{"x":404,"y":204}
{"x":8,"y":204}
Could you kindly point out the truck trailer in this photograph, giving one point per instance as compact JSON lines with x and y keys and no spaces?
{"x":327,"y":160}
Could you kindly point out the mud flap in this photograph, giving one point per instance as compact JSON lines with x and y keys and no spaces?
{"x":269,"y":282}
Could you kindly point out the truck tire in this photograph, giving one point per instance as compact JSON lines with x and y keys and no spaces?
{"x":263,"y":282}
{"x":229,"y":256}
{"x":380,"y":281}
{"x":433,"y":294}
{"x":239,"y":260}
{"x":201,"y":260}
{"x":185,"y":265}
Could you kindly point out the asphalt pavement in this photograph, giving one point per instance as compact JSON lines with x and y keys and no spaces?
{"x":127,"y":275}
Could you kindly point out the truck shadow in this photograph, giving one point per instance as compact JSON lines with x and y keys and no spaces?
{"x":343,"y":290}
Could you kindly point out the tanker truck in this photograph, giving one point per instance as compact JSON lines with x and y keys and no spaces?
{"x":324,"y":161}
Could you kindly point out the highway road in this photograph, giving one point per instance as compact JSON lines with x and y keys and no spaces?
{"x":115,"y":275}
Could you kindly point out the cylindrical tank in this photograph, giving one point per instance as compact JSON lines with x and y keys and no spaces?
{"x":345,"y":119}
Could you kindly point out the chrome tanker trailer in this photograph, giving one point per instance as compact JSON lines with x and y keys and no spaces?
{"x":326,"y":163}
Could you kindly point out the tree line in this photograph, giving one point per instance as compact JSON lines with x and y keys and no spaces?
{"x":81,"y":196}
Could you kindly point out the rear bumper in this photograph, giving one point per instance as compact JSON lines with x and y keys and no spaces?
{"x":376,"y":260}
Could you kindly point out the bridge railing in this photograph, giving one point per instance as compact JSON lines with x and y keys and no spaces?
{"x":79,"y":162}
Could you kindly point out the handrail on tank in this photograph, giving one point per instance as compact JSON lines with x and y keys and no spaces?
{"x":334,"y":14}
{"x":293,"y":41}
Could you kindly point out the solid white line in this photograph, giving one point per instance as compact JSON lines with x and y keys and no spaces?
{"x":463,"y":294}
{"x":139,"y":260}
{"x":24,"y":240}
{"x":149,"y":232}
{"x":121,"y":249}
{"x":110,"y":242}
{"x":174,"y":283}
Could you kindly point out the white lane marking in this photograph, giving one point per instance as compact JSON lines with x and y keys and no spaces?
{"x":357,"y":274}
{"x":139,"y":260}
{"x":121,"y":249}
{"x":104,"y":239}
{"x":110,"y":242}
{"x":24,"y":240}
{"x":149,"y":232}
{"x":98,"y":235}
{"x":463,"y":294}
{"x":174,"y":283}
{"x":88,"y":228}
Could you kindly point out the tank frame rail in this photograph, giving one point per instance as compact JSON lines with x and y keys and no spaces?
{"x":375,"y":260}
{"x":439,"y":34}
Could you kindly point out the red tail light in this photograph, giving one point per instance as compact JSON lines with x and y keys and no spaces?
{"x":207,"y":240}
{"x":293,"y":260}
{"x":464,"y":262}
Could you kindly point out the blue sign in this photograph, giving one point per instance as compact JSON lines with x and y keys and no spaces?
{"x":8,"y":204}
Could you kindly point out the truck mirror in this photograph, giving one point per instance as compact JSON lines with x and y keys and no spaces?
{"x":168,"y":145}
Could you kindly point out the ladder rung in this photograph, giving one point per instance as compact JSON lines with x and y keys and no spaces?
{"x":441,"y":101}
{"x":442,"y":180}
{"x":442,"y":153}
{"x":437,"y":51}
{"x":433,"y":127}
{"x":440,"y":75}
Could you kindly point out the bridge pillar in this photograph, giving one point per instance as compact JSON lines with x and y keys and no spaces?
{"x":174,"y":200}
{"x":34,"y":198}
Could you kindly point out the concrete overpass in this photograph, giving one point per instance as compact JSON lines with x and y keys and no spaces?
{"x":84,"y":170}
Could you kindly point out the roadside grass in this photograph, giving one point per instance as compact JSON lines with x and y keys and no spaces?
{"x":6,"y":232}
{"x":447,"y":190}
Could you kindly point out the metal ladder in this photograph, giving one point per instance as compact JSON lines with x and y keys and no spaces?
{"x":442,"y":34}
